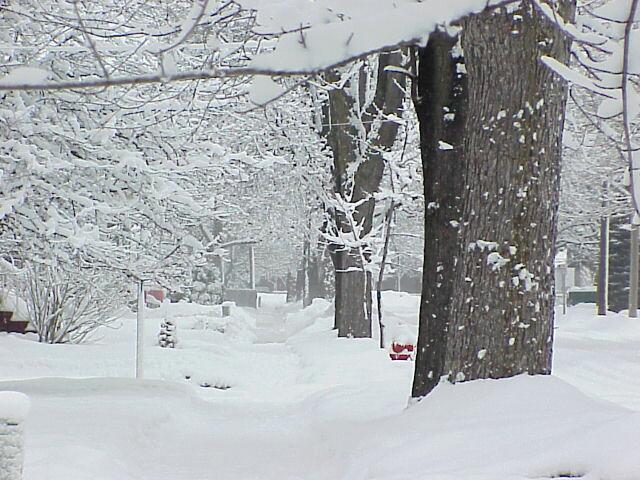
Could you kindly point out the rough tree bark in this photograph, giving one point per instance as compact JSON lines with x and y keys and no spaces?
{"x":358,"y":166}
{"x":498,"y":319}
{"x":439,"y":97}
{"x":350,"y":279}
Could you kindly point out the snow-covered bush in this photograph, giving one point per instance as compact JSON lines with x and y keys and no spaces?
{"x":207,"y":287}
{"x":167,"y":338}
{"x":14,"y":407}
{"x":65,"y":306}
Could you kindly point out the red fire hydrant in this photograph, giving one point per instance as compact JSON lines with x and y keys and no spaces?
{"x":400,"y":351}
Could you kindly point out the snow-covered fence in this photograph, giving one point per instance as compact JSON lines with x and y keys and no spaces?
{"x":14,"y":407}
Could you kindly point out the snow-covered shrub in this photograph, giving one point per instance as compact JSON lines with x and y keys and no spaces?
{"x":66,"y":305}
{"x":167,"y":338}
{"x":14,"y":407}
{"x":207,"y":287}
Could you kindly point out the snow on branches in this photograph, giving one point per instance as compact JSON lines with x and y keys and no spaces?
{"x":606,"y":62}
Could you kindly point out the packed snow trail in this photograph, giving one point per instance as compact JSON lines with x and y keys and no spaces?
{"x":285,"y":399}
{"x":271,"y":319}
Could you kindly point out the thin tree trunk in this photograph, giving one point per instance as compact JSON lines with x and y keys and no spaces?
{"x":306,"y":254}
{"x":315,"y":274}
{"x":383,"y":263}
{"x":291,"y":290}
{"x":300,"y":284}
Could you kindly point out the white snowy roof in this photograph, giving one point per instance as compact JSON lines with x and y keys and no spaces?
{"x":11,"y":302}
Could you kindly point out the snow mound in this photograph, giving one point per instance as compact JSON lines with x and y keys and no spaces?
{"x":317,"y":316}
{"x":523,"y":427}
{"x":14,"y":407}
{"x":239,"y":326}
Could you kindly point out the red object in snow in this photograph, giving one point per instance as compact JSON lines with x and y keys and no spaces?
{"x":155,"y":293}
{"x":400,"y":351}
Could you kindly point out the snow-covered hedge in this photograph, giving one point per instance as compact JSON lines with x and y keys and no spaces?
{"x":14,"y":407}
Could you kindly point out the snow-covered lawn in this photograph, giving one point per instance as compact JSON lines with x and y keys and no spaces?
{"x":286,"y":399}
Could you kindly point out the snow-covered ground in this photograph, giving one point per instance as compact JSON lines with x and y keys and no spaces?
{"x":283,"y":398}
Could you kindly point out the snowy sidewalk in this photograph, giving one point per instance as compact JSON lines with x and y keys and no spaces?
{"x":303,"y":404}
{"x":287,"y":389}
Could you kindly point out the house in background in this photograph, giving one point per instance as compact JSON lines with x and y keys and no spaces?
{"x":573,"y":281}
{"x":14,"y":316}
{"x":153,"y":295}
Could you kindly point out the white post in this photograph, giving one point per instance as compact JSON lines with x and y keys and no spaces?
{"x":565,"y":290}
{"x":140,"y":331}
{"x":252,"y":267}
{"x":633,"y":273}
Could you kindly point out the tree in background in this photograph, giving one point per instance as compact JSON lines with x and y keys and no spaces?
{"x":606,"y":91}
{"x":361,"y":121}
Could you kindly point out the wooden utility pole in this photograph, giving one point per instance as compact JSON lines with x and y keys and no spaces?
{"x":633,"y":273}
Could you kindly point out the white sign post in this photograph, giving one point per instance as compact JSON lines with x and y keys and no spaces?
{"x":140,"y":331}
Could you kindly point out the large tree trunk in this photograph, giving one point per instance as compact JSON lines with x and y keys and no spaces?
{"x":358,"y":166}
{"x":498,"y":321}
{"x":440,"y":102}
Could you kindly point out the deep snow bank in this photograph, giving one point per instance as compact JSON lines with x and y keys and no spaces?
{"x":519,"y":428}
{"x":319,"y":407}
{"x":524,"y":427}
